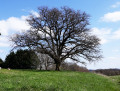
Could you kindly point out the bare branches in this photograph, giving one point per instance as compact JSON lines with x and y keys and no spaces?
{"x":61,"y":34}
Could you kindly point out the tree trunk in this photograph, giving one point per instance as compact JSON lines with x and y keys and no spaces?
{"x":57,"y":67}
{"x":40,"y":67}
{"x":46,"y":67}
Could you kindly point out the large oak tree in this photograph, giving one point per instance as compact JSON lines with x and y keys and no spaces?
{"x":61,"y":34}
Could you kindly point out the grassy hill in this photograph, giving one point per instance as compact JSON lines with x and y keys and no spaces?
{"x":31,"y":80}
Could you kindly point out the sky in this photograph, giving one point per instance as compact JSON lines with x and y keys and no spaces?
{"x":104,"y":23}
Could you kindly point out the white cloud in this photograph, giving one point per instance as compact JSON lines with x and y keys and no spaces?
{"x":34,"y":13}
{"x":4,"y":42}
{"x":113,"y":58}
{"x":116,"y":5}
{"x":116,"y":50}
{"x":106,"y":63}
{"x":102,"y":33}
{"x":13,"y":24}
{"x":10,"y":26}
{"x":111,"y":17}
{"x":106,"y":34}
{"x":116,"y":34}
{"x":1,"y":51}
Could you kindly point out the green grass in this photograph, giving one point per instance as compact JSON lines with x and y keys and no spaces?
{"x":116,"y":79}
{"x":31,"y":80}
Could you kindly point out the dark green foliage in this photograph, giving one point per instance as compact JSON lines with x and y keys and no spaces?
{"x":22,"y":59}
{"x":1,"y":61}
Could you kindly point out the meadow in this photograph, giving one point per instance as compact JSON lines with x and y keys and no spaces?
{"x":33,"y":80}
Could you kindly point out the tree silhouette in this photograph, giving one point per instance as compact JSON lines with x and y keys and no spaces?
{"x":61,"y":34}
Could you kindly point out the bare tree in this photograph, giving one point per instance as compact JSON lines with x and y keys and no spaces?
{"x":61,"y":34}
{"x":40,"y":61}
{"x":44,"y":61}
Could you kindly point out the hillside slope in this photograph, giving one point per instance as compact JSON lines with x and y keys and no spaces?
{"x":31,"y":80}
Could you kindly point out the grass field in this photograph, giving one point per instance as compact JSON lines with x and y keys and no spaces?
{"x":31,"y":80}
{"x":116,"y":79}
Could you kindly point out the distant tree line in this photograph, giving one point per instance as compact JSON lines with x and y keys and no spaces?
{"x":108,"y":72}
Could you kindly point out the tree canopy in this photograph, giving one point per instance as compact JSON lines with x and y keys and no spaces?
{"x":61,"y":34}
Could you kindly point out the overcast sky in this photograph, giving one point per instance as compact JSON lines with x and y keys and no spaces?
{"x":104,"y":22}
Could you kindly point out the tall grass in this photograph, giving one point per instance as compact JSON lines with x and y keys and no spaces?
{"x":32,"y":80}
